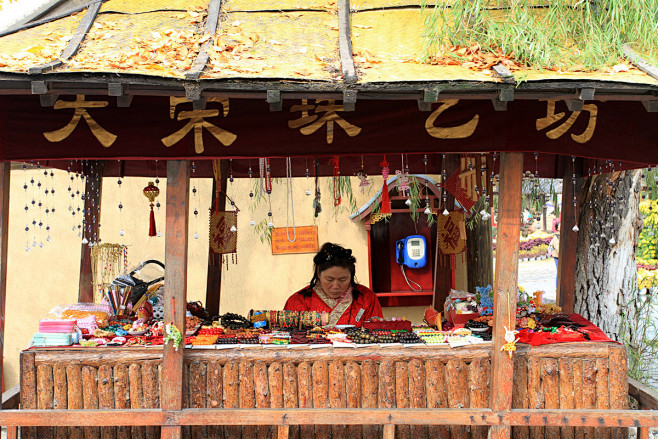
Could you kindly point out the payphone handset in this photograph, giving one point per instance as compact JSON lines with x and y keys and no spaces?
{"x":411,"y":251}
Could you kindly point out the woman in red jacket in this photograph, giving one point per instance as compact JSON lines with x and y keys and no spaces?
{"x":333,"y":289}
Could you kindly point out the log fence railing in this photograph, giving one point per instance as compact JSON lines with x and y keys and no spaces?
{"x":284,"y":418}
{"x":647,"y":399}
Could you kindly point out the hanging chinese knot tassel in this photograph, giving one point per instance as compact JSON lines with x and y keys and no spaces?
{"x":151,"y":192}
{"x":386,"y":202}
{"x":152,"y":231}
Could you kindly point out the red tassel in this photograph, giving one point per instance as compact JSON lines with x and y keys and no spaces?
{"x":152,"y":222}
{"x":386,"y":202}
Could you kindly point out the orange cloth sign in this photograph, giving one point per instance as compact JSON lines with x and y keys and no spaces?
{"x":305,"y":240}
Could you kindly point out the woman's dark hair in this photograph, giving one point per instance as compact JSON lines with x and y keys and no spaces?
{"x":333,"y":255}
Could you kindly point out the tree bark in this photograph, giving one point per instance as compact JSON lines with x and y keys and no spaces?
{"x":606,"y":273}
{"x":479,"y":250}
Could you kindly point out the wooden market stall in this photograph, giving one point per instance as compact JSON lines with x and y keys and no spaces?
{"x":106,"y":98}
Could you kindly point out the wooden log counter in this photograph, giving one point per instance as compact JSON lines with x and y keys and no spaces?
{"x":566,"y":375}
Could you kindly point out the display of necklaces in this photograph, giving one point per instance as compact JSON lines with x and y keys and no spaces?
{"x":108,"y":261}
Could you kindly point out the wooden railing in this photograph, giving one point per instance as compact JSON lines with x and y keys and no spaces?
{"x":389,"y":418}
{"x":647,"y":399}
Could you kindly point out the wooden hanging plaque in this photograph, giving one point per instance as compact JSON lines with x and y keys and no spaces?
{"x":305,"y":240}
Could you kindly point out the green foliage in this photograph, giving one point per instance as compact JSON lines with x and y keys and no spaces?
{"x":415,"y":196}
{"x":650,"y":176}
{"x":344,"y":184}
{"x":261,"y":229}
{"x":639,"y":333}
{"x":560,"y":34}
{"x":647,"y":248}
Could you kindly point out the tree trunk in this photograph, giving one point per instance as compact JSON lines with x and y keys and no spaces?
{"x":479,"y":250}
{"x":606,"y":273}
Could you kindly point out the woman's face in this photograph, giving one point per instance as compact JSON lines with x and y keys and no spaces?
{"x":335,"y":281}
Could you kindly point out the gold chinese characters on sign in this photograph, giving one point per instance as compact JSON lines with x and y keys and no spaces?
{"x":197,"y":122}
{"x":458,"y":132}
{"x":80,"y":106}
{"x":314,"y":122}
{"x":553,"y":117}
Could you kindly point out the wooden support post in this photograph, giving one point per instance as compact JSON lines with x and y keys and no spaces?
{"x":214,"y":284}
{"x":442,"y":266}
{"x":566,"y":274}
{"x":92,"y":216}
{"x":178,"y":185}
{"x":5,"y":173}
{"x":506,"y":277}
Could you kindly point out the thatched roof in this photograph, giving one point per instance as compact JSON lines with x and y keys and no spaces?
{"x":280,"y":45}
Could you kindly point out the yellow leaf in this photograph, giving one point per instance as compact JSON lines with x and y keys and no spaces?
{"x":34,"y":49}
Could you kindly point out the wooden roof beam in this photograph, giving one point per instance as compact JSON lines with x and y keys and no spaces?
{"x":640,"y":63}
{"x":430,"y":96}
{"x":74,"y":43}
{"x":119,"y":90}
{"x":349,"y":100}
{"x":345,"y":42}
{"x":42,"y":88}
{"x":211,"y":29}
{"x":651,"y":106}
{"x":501,"y":72}
{"x":274,"y":99}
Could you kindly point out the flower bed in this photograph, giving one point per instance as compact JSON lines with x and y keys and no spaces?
{"x":534,"y":245}
{"x":647,"y":249}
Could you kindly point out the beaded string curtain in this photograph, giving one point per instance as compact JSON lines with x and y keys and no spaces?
{"x":108,"y":261}
{"x":223,"y":224}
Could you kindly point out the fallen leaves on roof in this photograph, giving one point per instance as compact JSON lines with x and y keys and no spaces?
{"x":48,"y":49}
{"x":472,"y":57}
{"x":165,"y":50}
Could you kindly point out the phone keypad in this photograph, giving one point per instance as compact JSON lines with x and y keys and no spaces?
{"x":415,"y":253}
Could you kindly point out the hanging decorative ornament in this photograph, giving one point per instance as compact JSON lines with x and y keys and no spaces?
{"x":290,"y":204}
{"x":223,"y":224}
{"x":195,"y":201}
{"x":403,"y":180}
{"x":386,"y":201}
{"x":308,"y":174}
{"x":335,"y":161}
{"x":266,"y":185}
{"x":151,"y":192}
{"x":510,"y":339}
{"x":363,"y":177}
{"x":575,"y":200}
{"x":317,"y":207}
{"x":408,"y":202}
{"x":251,"y":193}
